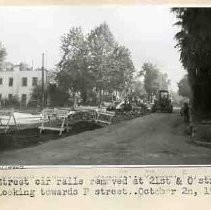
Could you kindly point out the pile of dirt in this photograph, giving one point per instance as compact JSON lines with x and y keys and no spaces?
{"x":31,"y":136}
{"x":121,"y":116}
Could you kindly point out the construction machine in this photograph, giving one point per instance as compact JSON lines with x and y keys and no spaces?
{"x":163,"y":102}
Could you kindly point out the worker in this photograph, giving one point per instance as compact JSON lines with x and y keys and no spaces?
{"x":186,"y":112}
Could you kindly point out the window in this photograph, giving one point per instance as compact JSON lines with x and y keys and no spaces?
{"x":10,"y":82}
{"x":34,"y":81}
{"x":24,"y":81}
{"x":10,"y":96}
{"x":23,"y":99}
{"x":1,"y":81}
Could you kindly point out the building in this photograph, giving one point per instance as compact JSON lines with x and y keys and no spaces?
{"x":16,"y":82}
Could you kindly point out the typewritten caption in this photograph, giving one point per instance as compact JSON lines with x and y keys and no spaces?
{"x":140,"y":183}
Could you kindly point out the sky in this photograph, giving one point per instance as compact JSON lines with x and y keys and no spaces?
{"x":148,"y":32}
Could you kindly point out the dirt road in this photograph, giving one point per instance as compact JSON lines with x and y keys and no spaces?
{"x":158,"y":138}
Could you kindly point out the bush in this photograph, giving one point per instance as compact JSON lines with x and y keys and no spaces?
{"x":33,"y":103}
{"x":12,"y":102}
{"x":57,"y":97}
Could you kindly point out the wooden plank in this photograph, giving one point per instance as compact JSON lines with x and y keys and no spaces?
{"x":109,"y":115}
{"x":51,"y":128}
{"x":10,"y":115}
{"x":4,"y":126}
{"x":104,"y":114}
{"x":102,"y":121}
{"x":54,"y":115}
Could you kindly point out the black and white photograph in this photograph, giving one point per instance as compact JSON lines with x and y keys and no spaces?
{"x":105,"y":85}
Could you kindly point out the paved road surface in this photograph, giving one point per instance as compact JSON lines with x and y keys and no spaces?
{"x":158,"y":138}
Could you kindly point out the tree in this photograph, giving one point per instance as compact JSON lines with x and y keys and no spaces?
{"x":55,"y":96}
{"x":101,"y":45}
{"x":150,"y":73}
{"x":74,"y":75}
{"x":2,"y":54}
{"x":24,"y":67}
{"x":177,"y":99}
{"x":184,"y":87}
{"x":163,"y":81}
{"x":194,"y":42}
{"x":36,"y":96}
{"x":121,"y":69}
{"x":93,"y":63}
{"x":138,"y":89}
{"x":154,"y":80}
{"x":111,"y":63}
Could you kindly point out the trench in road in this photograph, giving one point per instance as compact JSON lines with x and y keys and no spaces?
{"x":158,"y":138}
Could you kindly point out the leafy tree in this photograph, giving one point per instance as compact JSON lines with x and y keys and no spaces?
{"x":74,"y":75}
{"x":24,"y":67}
{"x":111,"y":63}
{"x":194,"y":42}
{"x":163,"y":81}
{"x":56,"y":96}
{"x":36,"y":96}
{"x":101,"y":45}
{"x":184,"y":87}
{"x":150,"y":73}
{"x":138,"y":89}
{"x":121,"y":69}
{"x":93,"y":63}
{"x":10,"y":102}
{"x":154,"y":80}
{"x":177,"y":99}
{"x":3,"y":54}
{"x":8,"y":66}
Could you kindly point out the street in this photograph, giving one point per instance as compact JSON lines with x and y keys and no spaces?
{"x":158,"y":138}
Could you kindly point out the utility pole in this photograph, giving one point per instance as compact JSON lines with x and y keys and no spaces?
{"x":32,"y":65}
{"x":43,"y":83}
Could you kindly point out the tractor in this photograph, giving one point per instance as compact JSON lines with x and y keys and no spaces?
{"x":163,"y":102}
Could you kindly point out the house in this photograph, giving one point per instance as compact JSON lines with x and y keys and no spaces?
{"x":19,"y":82}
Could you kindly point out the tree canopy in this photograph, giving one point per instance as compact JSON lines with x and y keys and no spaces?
{"x":93,"y":62}
{"x":184,"y":87}
{"x":150,"y":73}
{"x":154,"y":80}
{"x":3,"y":54}
{"x":194,"y":43}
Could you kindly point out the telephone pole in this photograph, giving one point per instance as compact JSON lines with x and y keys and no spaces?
{"x":43,"y":82}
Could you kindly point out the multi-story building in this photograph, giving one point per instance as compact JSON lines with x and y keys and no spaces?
{"x":19,"y":83}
